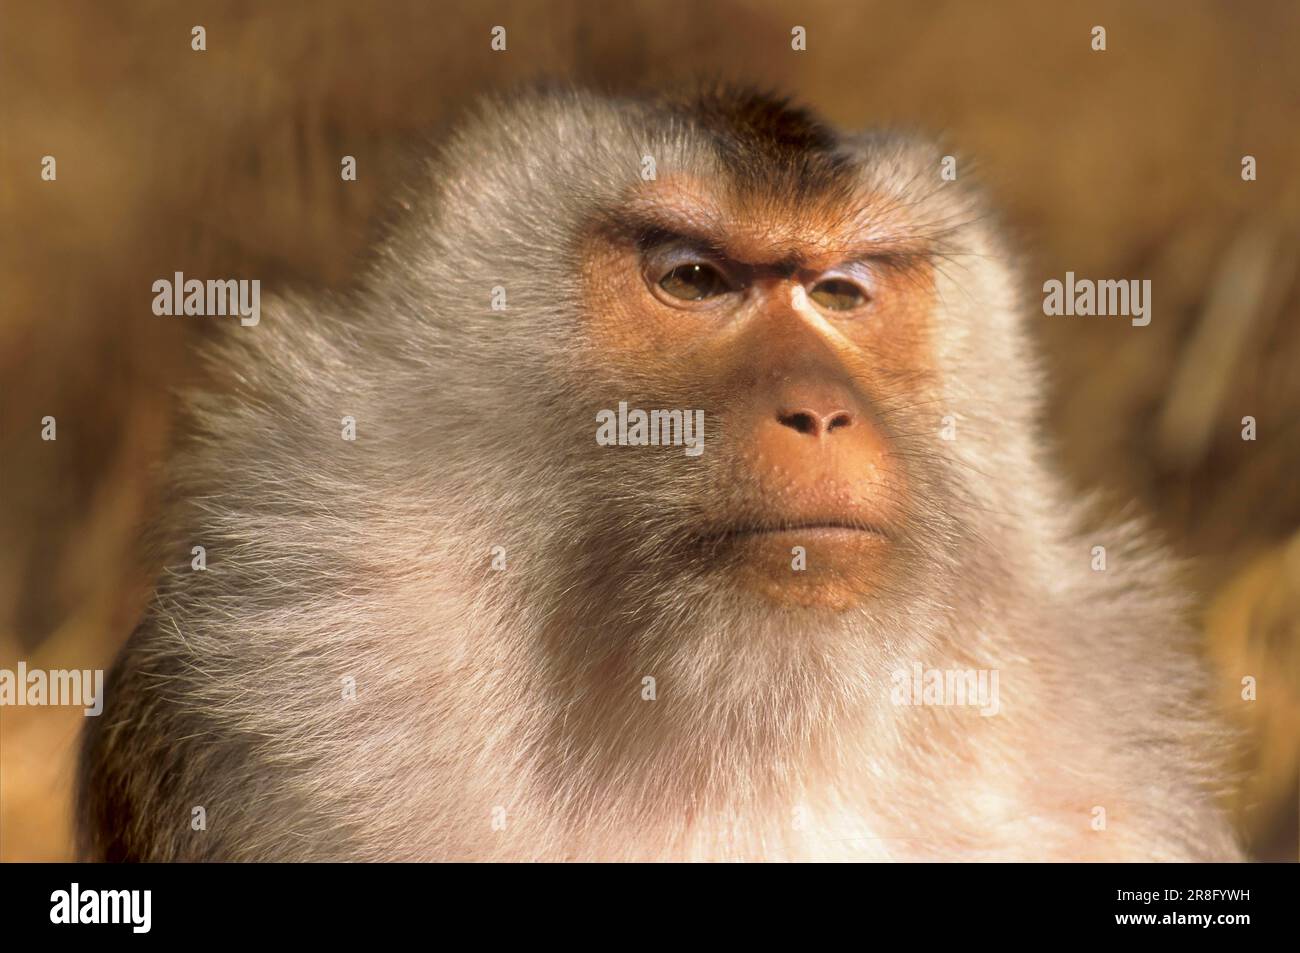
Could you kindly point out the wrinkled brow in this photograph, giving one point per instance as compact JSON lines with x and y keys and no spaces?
{"x":650,"y":224}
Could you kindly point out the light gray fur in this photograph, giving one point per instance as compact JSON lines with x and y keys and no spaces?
{"x":773,"y":735}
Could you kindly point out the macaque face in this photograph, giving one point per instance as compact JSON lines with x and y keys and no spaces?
{"x":792,"y":328}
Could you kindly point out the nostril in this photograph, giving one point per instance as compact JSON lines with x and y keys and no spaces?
{"x":800,"y":420}
{"x":839,"y":420}
{"x":814,"y":424}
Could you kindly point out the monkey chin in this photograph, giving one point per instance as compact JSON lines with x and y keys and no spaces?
{"x":828,"y":568}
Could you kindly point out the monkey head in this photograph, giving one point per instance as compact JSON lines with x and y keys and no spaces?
{"x":836,"y":309}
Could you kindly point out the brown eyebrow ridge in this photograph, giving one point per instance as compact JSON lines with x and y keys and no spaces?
{"x":646,"y":229}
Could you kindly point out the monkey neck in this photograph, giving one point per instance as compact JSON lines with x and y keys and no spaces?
{"x":737,"y":712}
{"x":666,"y":703}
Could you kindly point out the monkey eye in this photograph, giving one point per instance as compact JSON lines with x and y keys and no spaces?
{"x":838,"y":294}
{"x":694,"y":281}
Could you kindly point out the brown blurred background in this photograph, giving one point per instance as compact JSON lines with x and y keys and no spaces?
{"x":1122,"y":164}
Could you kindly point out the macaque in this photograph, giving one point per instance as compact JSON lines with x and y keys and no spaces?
{"x":862,"y":622}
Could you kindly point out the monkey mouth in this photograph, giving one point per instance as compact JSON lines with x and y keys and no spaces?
{"x":816,"y":530}
{"x":822,"y":563}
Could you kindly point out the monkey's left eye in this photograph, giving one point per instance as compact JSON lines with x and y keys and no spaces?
{"x":838,"y":294}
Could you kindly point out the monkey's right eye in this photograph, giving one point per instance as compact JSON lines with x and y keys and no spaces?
{"x":694,"y":282}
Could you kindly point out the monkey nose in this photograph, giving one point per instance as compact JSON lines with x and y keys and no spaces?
{"x":814,"y":423}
